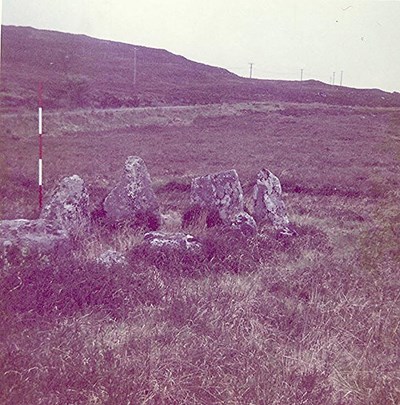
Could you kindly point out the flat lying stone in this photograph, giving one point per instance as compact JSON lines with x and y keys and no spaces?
{"x":111,"y":257}
{"x":164,"y":241}
{"x":21,"y":238}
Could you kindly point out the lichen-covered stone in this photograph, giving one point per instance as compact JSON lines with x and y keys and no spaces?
{"x":20,"y":239}
{"x":245,"y":224}
{"x":164,"y":241}
{"x":68,"y":206}
{"x":268,"y":204}
{"x":111,"y":257}
{"x":133,"y":199}
{"x":220,"y":191}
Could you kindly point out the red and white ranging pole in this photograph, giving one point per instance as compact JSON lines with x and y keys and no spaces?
{"x":40,"y":112}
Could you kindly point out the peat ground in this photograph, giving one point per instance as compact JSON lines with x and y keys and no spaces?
{"x":309,"y":320}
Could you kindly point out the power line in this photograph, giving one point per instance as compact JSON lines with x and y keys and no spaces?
{"x":290,"y":74}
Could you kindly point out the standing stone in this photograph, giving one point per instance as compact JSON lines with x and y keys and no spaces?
{"x":221,"y":191}
{"x":268,"y":203}
{"x":133,"y":199}
{"x":69,"y":205}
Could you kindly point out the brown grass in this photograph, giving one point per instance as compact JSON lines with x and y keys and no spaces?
{"x":307,"y":320}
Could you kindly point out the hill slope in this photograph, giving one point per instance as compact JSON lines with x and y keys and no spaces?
{"x":79,"y":71}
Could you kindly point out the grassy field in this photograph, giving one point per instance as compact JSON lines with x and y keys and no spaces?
{"x":308,"y":320}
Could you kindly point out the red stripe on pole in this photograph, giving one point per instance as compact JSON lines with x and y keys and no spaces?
{"x":40,"y":197}
{"x":40,"y":140}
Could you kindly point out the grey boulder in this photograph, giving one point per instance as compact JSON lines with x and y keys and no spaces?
{"x":220,"y":191}
{"x":169,"y":242}
{"x":268,"y":204}
{"x":133,"y":199}
{"x":111,"y":257}
{"x":68,"y":206}
{"x":245,"y":224}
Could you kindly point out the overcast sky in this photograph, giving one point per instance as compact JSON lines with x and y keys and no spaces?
{"x":361,"y":38}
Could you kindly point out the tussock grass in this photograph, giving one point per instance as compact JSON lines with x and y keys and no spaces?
{"x":121,"y":239}
{"x":269,"y":320}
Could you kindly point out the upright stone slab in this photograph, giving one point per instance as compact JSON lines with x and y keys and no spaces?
{"x":268,"y":203}
{"x":221,"y":191}
{"x":68,"y":206}
{"x":133,"y":199}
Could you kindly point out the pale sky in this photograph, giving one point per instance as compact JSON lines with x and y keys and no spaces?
{"x":281,"y":37}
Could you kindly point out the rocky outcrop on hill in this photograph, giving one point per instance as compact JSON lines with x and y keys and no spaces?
{"x":133,"y":199}
{"x":68,"y":206}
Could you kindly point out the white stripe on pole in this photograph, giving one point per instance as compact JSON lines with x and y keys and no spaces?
{"x":40,"y":120}
{"x":40,"y":171}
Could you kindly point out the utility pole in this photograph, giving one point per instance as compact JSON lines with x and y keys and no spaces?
{"x":333,"y":78}
{"x":301,"y":75}
{"x":251,"y":69}
{"x":341,"y":77}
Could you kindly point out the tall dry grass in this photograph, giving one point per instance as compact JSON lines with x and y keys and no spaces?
{"x":307,"y":320}
{"x":266,"y":320}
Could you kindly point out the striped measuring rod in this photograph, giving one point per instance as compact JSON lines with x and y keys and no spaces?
{"x":40,"y":112}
